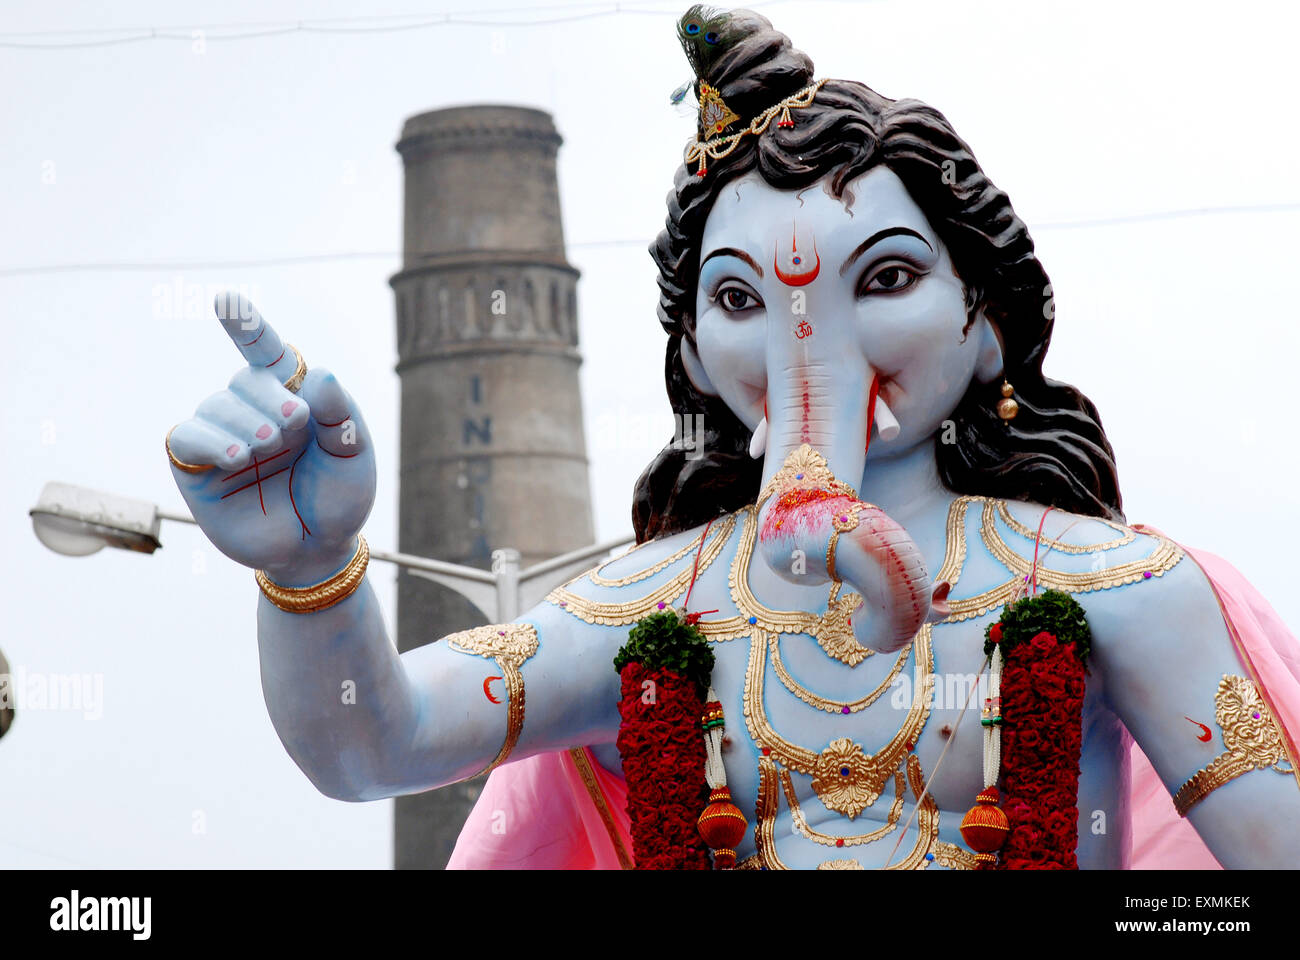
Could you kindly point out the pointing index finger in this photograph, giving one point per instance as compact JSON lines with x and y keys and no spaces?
{"x":255,"y":338}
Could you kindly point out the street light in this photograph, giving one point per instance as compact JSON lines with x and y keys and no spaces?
{"x":77,"y":522}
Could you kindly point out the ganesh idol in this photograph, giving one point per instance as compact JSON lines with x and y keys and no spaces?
{"x":926,"y":635}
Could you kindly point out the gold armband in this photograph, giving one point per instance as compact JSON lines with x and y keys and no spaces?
{"x":510,"y":645}
{"x":1249,"y":732}
{"x":322,"y":595}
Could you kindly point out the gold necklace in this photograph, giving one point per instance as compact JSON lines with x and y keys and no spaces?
{"x":622,"y":614}
{"x":1125,"y":534}
{"x":645,"y":574}
{"x":835,"y":628}
{"x":823,"y":703}
{"x":1161,"y":561}
{"x":826,"y":839}
{"x":845,"y":778}
{"x":920,"y":855}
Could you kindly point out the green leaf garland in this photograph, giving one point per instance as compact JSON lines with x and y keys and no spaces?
{"x":667,"y":640}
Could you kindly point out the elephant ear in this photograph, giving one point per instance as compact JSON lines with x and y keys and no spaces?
{"x":705,"y":34}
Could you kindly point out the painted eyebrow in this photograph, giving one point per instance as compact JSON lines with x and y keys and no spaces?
{"x":738,"y":254}
{"x":875,"y":238}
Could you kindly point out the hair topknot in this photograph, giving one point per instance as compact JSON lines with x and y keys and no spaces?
{"x":741,"y":55}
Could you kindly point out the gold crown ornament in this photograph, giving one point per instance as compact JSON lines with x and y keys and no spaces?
{"x":716,"y":116}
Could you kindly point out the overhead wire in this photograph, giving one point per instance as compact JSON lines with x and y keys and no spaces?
{"x":289,"y":260}
{"x":358,"y":25}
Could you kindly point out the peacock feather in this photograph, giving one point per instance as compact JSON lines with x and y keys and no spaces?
{"x":704,"y":35}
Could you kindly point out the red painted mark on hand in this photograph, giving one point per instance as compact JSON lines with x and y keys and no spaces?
{"x":274,"y":456}
{"x":258,"y":477}
{"x":306,"y":532}
{"x":341,"y":456}
{"x":487,"y":688}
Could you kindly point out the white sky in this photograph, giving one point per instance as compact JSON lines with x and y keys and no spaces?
{"x":1183,"y":331}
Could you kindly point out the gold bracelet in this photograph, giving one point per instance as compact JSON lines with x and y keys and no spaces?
{"x":323,"y":595}
{"x":296,"y":378}
{"x":181,"y":464}
{"x":1250,"y":734}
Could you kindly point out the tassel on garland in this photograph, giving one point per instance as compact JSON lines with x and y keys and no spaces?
{"x":722,"y":825}
{"x":985,"y":827}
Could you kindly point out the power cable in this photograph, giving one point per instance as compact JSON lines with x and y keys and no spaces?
{"x":306,"y":259}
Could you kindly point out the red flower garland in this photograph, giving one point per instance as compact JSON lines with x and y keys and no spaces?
{"x":663,"y":760}
{"x":1042,"y":706}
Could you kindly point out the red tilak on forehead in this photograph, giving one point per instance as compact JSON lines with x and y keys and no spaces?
{"x":798,"y":271}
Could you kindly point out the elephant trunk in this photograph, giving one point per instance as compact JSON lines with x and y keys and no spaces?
{"x":819,"y":412}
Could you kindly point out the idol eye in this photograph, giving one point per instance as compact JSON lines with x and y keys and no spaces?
{"x":891,"y":279}
{"x":735,"y":299}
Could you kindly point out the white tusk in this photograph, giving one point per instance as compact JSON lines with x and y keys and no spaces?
{"x":758,"y":442}
{"x":885,"y":420}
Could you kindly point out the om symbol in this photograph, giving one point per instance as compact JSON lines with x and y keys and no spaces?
{"x":803,"y":330}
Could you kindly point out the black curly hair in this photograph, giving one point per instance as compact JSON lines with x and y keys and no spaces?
{"x":1054,"y":452}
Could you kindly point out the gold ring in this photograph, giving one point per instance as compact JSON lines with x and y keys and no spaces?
{"x":181,"y":464}
{"x":295,"y":381}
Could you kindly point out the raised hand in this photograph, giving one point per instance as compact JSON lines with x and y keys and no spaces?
{"x":278,"y":468}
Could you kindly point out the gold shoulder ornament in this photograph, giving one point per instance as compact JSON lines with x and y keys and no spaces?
{"x":510,"y":645}
{"x":1251,"y":735}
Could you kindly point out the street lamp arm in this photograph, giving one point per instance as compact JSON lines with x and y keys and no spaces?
{"x":582,"y":557}
{"x":414,"y":563}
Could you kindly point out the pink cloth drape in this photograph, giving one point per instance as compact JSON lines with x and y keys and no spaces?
{"x":548,"y":812}
{"x":553,"y":811}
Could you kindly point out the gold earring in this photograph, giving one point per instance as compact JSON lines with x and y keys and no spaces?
{"x":1007,"y":408}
